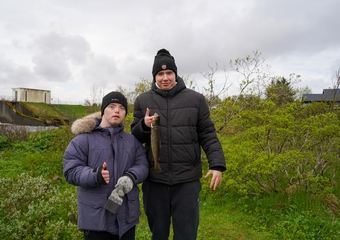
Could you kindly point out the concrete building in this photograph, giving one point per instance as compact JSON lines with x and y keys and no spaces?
{"x":31,"y":95}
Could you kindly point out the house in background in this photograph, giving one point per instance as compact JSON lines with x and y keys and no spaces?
{"x":31,"y":95}
{"x":328,"y":95}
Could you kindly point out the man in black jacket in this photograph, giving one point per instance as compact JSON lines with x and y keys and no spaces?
{"x":185,"y":126}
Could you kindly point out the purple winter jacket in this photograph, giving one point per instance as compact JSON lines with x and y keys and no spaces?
{"x":123,"y":153}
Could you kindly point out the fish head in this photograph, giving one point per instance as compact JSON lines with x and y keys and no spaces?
{"x":156,"y":121}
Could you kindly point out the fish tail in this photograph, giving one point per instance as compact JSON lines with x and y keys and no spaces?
{"x":157,"y":168}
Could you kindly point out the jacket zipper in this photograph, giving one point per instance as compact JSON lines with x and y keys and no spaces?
{"x":169,"y":143}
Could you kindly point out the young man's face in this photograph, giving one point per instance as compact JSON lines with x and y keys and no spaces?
{"x":165,"y":79}
{"x":114,"y":114}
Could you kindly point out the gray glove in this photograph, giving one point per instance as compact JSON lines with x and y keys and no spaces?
{"x":124,"y":185}
{"x":114,"y":202}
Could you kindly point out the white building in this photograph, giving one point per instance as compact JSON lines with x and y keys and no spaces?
{"x":31,"y":95}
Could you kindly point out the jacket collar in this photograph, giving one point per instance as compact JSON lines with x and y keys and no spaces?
{"x":111,"y":130}
{"x":173,"y":91}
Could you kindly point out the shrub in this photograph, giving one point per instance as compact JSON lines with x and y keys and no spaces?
{"x":275,"y":150}
{"x":33,"y":208}
{"x":13,"y":133}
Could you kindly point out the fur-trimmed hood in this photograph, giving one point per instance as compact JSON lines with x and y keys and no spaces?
{"x":85,"y":124}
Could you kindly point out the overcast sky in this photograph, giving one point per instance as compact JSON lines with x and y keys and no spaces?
{"x":68,"y":46}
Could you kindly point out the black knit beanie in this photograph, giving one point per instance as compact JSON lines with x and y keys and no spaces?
{"x":114,"y":97}
{"x":163,"y":61}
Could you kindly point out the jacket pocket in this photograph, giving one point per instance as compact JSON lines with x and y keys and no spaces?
{"x":131,"y":206}
{"x":91,"y":214}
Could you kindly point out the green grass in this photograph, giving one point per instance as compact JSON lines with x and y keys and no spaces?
{"x":59,"y":112}
{"x":75,"y":111}
{"x":41,"y":109}
{"x":221,"y":218}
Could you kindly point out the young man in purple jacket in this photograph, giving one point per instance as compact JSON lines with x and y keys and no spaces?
{"x":101,"y":160}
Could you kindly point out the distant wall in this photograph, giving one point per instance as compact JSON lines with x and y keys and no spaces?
{"x":9,"y":115}
{"x":22,"y":109}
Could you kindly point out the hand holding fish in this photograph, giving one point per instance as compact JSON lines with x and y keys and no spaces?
{"x":148,"y":119}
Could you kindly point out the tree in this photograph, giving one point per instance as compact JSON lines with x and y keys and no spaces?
{"x":95,"y":94}
{"x":255,"y":73}
{"x":95,"y":100}
{"x":336,"y":83}
{"x":283,"y":149}
{"x":280,"y":91}
{"x":336,"y":94}
{"x":190,"y":83}
{"x":140,"y":87}
{"x":212,"y":95}
{"x":301,"y":91}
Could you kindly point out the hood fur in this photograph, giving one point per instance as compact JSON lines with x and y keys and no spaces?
{"x":85,"y":124}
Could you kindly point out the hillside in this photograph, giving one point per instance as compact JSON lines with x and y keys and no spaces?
{"x":42,"y":114}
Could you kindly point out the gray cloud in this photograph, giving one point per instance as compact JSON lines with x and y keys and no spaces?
{"x":12,"y":74}
{"x":52,"y":67}
{"x":100,"y":70}
{"x":56,"y":54}
{"x":73,"y":48}
{"x":66,"y":45}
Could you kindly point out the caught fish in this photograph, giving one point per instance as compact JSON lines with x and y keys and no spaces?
{"x":156,"y":142}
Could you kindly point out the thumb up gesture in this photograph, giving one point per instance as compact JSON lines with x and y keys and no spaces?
{"x":105,"y":173}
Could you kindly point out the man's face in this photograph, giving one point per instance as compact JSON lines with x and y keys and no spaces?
{"x":165,"y":79}
{"x":114,"y":114}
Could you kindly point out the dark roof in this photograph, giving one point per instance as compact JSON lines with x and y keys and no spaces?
{"x":326,"y":96}
{"x":332,"y":93}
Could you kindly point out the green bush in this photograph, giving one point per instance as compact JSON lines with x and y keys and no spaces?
{"x":12,"y":133}
{"x":53,"y":140}
{"x":275,"y":150}
{"x":33,"y":208}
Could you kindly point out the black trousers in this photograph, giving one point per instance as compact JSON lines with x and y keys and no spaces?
{"x":179,"y":203}
{"x":93,"y":235}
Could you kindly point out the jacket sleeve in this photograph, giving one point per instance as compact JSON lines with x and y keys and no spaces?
{"x":75,"y":167}
{"x":138,"y":128}
{"x":140,"y":170}
{"x":208,"y":138}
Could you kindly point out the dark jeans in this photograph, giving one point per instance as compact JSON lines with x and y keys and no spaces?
{"x":93,"y":235}
{"x":179,"y":203}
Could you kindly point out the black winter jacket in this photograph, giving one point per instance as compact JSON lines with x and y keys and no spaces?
{"x":185,"y":127}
